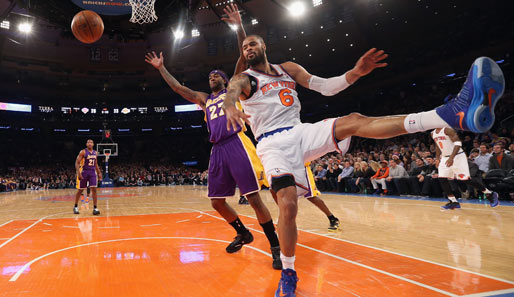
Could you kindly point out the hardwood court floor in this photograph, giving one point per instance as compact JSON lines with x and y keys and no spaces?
{"x":166,"y":241}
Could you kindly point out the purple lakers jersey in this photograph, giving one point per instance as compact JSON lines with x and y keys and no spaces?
{"x":216,"y":120}
{"x":89,"y":161}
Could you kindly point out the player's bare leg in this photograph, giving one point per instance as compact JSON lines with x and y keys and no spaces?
{"x":229,"y":214}
{"x":225,"y":210}
{"x":356,"y":124}
{"x":334,"y":222}
{"x":77,"y":198}
{"x":261,"y":211}
{"x":287,"y":232}
{"x":264,"y":218}
{"x":95,"y":200}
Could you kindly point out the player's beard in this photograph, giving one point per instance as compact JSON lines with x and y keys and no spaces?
{"x":217,"y":87}
{"x":258,"y":58}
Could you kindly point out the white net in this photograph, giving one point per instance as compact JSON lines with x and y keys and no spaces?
{"x":143,"y":11}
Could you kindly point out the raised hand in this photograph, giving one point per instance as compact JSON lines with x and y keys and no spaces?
{"x":369,"y":61}
{"x":154,"y":60}
{"x":233,"y":16}
{"x":235,"y":118}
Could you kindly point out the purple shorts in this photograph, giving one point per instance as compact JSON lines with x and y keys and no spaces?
{"x":234,"y":162}
{"x":89,"y":179}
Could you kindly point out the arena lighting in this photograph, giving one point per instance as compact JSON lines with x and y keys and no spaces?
{"x":317,"y":2}
{"x":450,"y":75}
{"x":500,"y":61}
{"x":195,"y":33}
{"x":255,"y":21}
{"x":25,"y":28}
{"x":296,"y":9}
{"x":178,"y":34}
{"x":5,"y":25}
{"x":233,"y":27}
{"x":146,"y":129}
{"x":123,"y":130}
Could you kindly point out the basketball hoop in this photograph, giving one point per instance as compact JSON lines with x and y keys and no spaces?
{"x":143,"y":11}
{"x":107,"y":155}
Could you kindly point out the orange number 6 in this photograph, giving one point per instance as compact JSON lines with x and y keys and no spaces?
{"x":285,"y":98}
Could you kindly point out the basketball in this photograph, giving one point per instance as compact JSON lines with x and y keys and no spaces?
{"x":87,"y":26}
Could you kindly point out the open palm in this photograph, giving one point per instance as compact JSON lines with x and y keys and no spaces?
{"x":233,"y":16}
{"x":154,"y":60}
{"x":369,"y":61}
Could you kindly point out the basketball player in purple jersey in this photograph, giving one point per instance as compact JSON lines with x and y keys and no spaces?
{"x":233,"y":159}
{"x":272,"y":108}
{"x":88,"y":174}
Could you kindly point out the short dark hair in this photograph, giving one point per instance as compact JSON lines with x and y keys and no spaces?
{"x":485,"y":144}
{"x":256,"y":36}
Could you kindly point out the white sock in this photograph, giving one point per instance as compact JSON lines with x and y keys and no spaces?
{"x":423,"y":121}
{"x":287,"y":262}
{"x":452,"y":199}
{"x":487,"y":191}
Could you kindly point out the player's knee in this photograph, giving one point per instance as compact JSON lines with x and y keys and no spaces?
{"x":288,"y":209}
{"x":354,"y":116}
{"x":349,"y":124}
{"x":254,"y":199}
{"x":217,"y":203}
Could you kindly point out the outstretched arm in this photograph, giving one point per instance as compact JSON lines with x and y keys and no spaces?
{"x":234,"y":19}
{"x":331,"y":86}
{"x":239,"y":85}
{"x":188,"y":94}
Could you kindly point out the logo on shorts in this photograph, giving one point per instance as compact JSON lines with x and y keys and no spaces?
{"x":461,"y":175}
{"x":277,"y":170}
{"x":261,"y":177}
{"x":412,"y":122}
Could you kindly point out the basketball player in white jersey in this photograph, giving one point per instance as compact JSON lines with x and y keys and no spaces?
{"x":272,"y":109}
{"x":453,"y":164}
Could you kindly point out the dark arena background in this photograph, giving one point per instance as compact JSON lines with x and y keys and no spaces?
{"x":158,"y":234}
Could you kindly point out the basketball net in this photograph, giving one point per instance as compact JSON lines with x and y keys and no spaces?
{"x":143,"y":11}
{"x":107,"y":155}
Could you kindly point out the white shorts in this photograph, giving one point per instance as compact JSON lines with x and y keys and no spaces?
{"x":286,"y":152}
{"x":459,"y":169}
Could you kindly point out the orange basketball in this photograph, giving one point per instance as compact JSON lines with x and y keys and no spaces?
{"x":87,"y":26}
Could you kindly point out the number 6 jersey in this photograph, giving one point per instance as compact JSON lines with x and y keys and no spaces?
{"x":273,"y":103}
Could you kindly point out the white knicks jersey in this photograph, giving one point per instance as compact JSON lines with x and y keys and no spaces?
{"x":444,"y":143}
{"x":275,"y":102}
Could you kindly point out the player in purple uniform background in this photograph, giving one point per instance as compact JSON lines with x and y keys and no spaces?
{"x":233,"y":158}
{"x":88,"y":174}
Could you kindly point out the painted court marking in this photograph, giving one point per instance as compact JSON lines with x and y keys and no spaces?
{"x":25,"y":230}
{"x":403,"y":255}
{"x":20,"y":271}
{"x":5,"y":223}
{"x":150,"y":225}
{"x":491,"y":293}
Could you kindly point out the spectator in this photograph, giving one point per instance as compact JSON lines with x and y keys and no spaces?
{"x":320,"y":178}
{"x":428,"y":177}
{"x":364,"y":182}
{"x":332,"y":175}
{"x":482,"y":160}
{"x":500,"y":160}
{"x":380,"y":178}
{"x":344,"y":176}
{"x":396,"y":182}
{"x":357,"y":174}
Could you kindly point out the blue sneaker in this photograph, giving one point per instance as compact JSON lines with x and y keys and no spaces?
{"x":287,"y":284}
{"x":493,"y":201}
{"x":451,"y":205}
{"x":473,"y":108}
